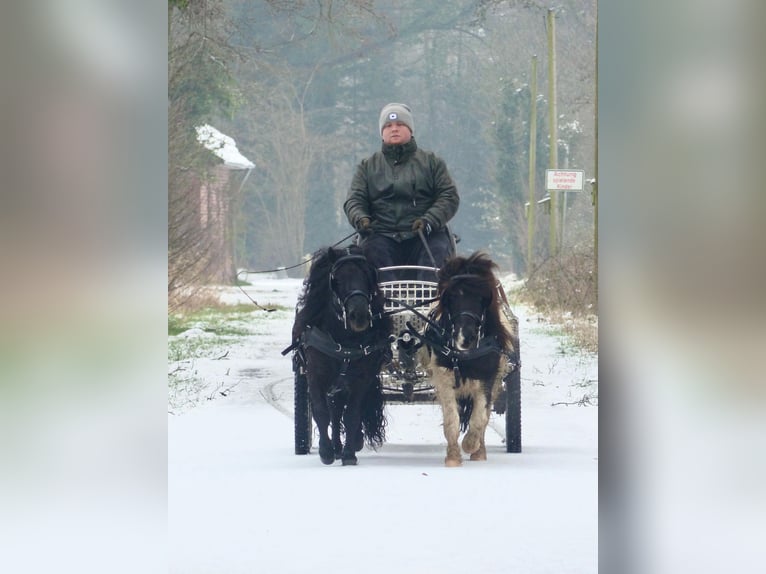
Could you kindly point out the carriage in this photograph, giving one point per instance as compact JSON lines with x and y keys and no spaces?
{"x":409,"y":292}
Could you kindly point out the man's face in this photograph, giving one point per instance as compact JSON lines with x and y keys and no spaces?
{"x":396,"y":132}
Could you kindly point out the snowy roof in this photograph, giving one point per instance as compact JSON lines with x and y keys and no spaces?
{"x":223,"y":146}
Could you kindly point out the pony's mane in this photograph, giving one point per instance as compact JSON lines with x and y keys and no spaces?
{"x":481,"y":267}
{"x":314,"y":302}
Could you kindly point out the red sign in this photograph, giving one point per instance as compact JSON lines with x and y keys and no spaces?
{"x":563,"y":179}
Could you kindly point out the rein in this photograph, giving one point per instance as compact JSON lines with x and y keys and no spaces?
{"x":406,"y":307}
{"x":278,"y":269}
{"x":427,"y":248}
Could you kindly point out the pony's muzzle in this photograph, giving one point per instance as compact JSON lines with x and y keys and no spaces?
{"x":466,"y":337}
{"x":358,"y":313}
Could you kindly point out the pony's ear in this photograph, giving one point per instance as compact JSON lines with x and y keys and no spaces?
{"x":321,"y":253}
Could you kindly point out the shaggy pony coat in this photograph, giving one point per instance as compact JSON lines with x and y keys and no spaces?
{"x":467,"y":382}
{"x":341,"y":311}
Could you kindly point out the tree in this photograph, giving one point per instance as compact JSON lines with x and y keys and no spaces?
{"x":200,"y":86}
{"x":314,"y":77}
{"x":276,"y":199}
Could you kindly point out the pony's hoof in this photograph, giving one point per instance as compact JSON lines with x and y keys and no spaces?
{"x":327,"y":456}
{"x":479,"y":455}
{"x":453,"y":462}
{"x":349,"y":461}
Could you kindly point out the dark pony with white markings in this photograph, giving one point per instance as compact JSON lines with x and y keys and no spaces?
{"x":342,"y":336}
{"x":473,"y":346}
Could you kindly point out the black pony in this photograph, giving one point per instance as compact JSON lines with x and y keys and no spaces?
{"x":342,"y":337}
{"x":473,"y":345}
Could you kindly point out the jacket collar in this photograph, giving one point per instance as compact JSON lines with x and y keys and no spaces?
{"x":399,"y":152}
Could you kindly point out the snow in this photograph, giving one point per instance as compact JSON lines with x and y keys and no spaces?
{"x":223,"y":146}
{"x":240,"y":501}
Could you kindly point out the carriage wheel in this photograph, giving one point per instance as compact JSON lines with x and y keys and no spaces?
{"x":513,"y":411}
{"x":303,"y":425}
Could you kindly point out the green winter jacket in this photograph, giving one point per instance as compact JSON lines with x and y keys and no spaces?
{"x":397,"y":185}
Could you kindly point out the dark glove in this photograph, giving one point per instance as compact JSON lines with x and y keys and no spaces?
{"x":363,"y":224}
{"x":421,"y":225}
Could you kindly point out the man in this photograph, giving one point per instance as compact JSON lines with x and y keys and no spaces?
{"x":398,"y":193}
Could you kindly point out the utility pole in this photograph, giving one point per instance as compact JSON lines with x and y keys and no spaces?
{"x":565,"y":203}
{"x":553,"y":240}
{"x":532,"y":166}
{"x":595,"y":185}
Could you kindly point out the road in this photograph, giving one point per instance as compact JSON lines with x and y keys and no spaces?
{"x":241,"y":501}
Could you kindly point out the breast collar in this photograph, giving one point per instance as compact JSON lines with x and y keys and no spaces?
{"x":324,"y":343}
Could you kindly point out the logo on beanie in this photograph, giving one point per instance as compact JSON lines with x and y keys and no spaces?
{"x":393,"y":116}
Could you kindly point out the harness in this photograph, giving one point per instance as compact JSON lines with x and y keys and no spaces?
{"x":324,"y":343}
{"x":443,"y":342}
{"x":314,"y":337}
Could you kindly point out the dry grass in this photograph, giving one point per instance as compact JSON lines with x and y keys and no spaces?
{"x":581,"y":330}
{"x":194,"y":300}
{"x":565,"y":283}
{"x":563,"y":290}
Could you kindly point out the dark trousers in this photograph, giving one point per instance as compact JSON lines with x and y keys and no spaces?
{"x":384,"y":251}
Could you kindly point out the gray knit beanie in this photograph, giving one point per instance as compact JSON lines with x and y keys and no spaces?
{"x":396,"y":112}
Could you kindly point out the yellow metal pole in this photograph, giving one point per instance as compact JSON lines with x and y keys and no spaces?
{"x":532,"y":166}
{"x":553,"y":128}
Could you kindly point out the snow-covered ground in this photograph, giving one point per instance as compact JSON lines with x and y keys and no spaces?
{"x":240,"y":501}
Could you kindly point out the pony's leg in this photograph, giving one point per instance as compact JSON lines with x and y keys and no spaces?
{"x":358,"y":442}
{"x":326,"y":451}
{"x":352,"y":420}
{"x":489,"y":398}
{"x":477,"y":425}
{"x":481,"y":453}
{"x":336,"y":410}
{"x":322,"y":418}
{"x":444,"y":383}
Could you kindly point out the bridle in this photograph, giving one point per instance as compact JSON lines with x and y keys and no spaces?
{"x":478,"y":319}
{"x":338,"y":302}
